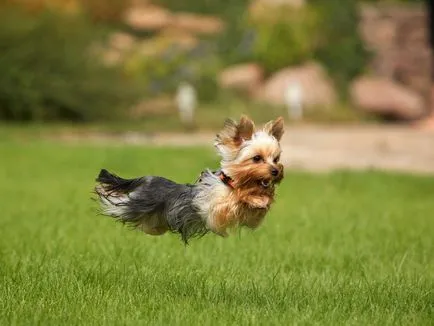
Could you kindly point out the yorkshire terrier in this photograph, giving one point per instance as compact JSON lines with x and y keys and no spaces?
{"x":240,"y":193}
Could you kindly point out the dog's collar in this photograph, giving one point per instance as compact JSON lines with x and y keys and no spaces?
{"x":227,"y":180}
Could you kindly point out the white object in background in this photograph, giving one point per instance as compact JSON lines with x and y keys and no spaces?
{"x":186,"y":99}
{"x":294,"y":100}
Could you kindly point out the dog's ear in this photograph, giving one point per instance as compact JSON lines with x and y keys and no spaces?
{"x":245,"y":129}
{"x":275,"y":128}
{"x":230,"y":138}
{"x":235,"y":133}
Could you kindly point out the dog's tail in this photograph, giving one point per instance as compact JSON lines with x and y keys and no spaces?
{"x":115,"y":193}
{"x":114,"y":184}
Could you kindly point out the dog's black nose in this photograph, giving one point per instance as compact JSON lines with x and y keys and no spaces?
{"x":274,"y":172}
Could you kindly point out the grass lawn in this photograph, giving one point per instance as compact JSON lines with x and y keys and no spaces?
{"x":340,"y":248}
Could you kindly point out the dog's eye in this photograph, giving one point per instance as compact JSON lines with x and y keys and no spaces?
{"x":257,"y":158}
{"x":277,"y":159}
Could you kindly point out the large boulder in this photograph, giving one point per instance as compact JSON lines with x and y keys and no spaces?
{"x":316,"y":88}
{"x":149,"y":17}
{"x":426,"y":124}
{"x":152,"y":17}
{"x":244,"y":77}
{"x":386,"y":98}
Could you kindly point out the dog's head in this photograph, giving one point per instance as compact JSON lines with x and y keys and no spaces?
{"x":251,"y":157}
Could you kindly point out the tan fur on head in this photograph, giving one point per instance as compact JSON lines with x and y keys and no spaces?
{"x":251,"y":159}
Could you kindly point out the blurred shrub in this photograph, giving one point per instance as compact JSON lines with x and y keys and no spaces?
{"x":163,"y":71}
{"x":234,"y":45}
{"x":35,"y":6}
{"x":284,"y":36}
{"x":209,"y":7}
{"x":108,"y":11}
{"x":340,"y":46}
{"x":47,"y":71}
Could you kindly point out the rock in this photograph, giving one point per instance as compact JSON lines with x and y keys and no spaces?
{"x":245,"y":77}
{"x":379,"y":35}
{"x":148,"y":17}
{"x":151,"y":17}
{"x":200,"y":24}
{"x":315,"y":86}
{"x":397,"y":38}
{"x":386,"y":98}
{"x":426,"y":124}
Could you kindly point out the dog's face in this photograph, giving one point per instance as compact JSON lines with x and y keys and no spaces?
{"x":251,"y":157}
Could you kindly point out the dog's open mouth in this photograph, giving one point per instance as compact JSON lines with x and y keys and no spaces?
{"x":265,"y":183}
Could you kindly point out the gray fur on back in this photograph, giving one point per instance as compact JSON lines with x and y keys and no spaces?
{"x":157,"y":197}
{"x":170,"y":200}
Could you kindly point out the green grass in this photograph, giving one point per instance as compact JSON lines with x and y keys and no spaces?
{"x":340,"y":248}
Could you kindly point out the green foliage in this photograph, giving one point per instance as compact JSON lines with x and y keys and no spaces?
{"x":234,"y":45}
{"x":108,"y":11}
{"x":340,"y":47}
{"x":162,"y":71}
{"x":287,"y":36}
{"x":322,"y":30}
{"x":228,"y":10}
{"x":48,"y":71}
{"x":336,"y":249}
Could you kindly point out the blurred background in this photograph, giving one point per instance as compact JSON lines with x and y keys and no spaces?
{"x":142,"y":61}
{"x":181,"y":66}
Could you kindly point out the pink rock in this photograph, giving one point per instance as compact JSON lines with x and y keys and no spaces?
{"x":426,"y":124}
{"x":315,"y":86}
{"x":148,"y":17}
{"x":245,"y":77}
{"x":386,"y":98}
